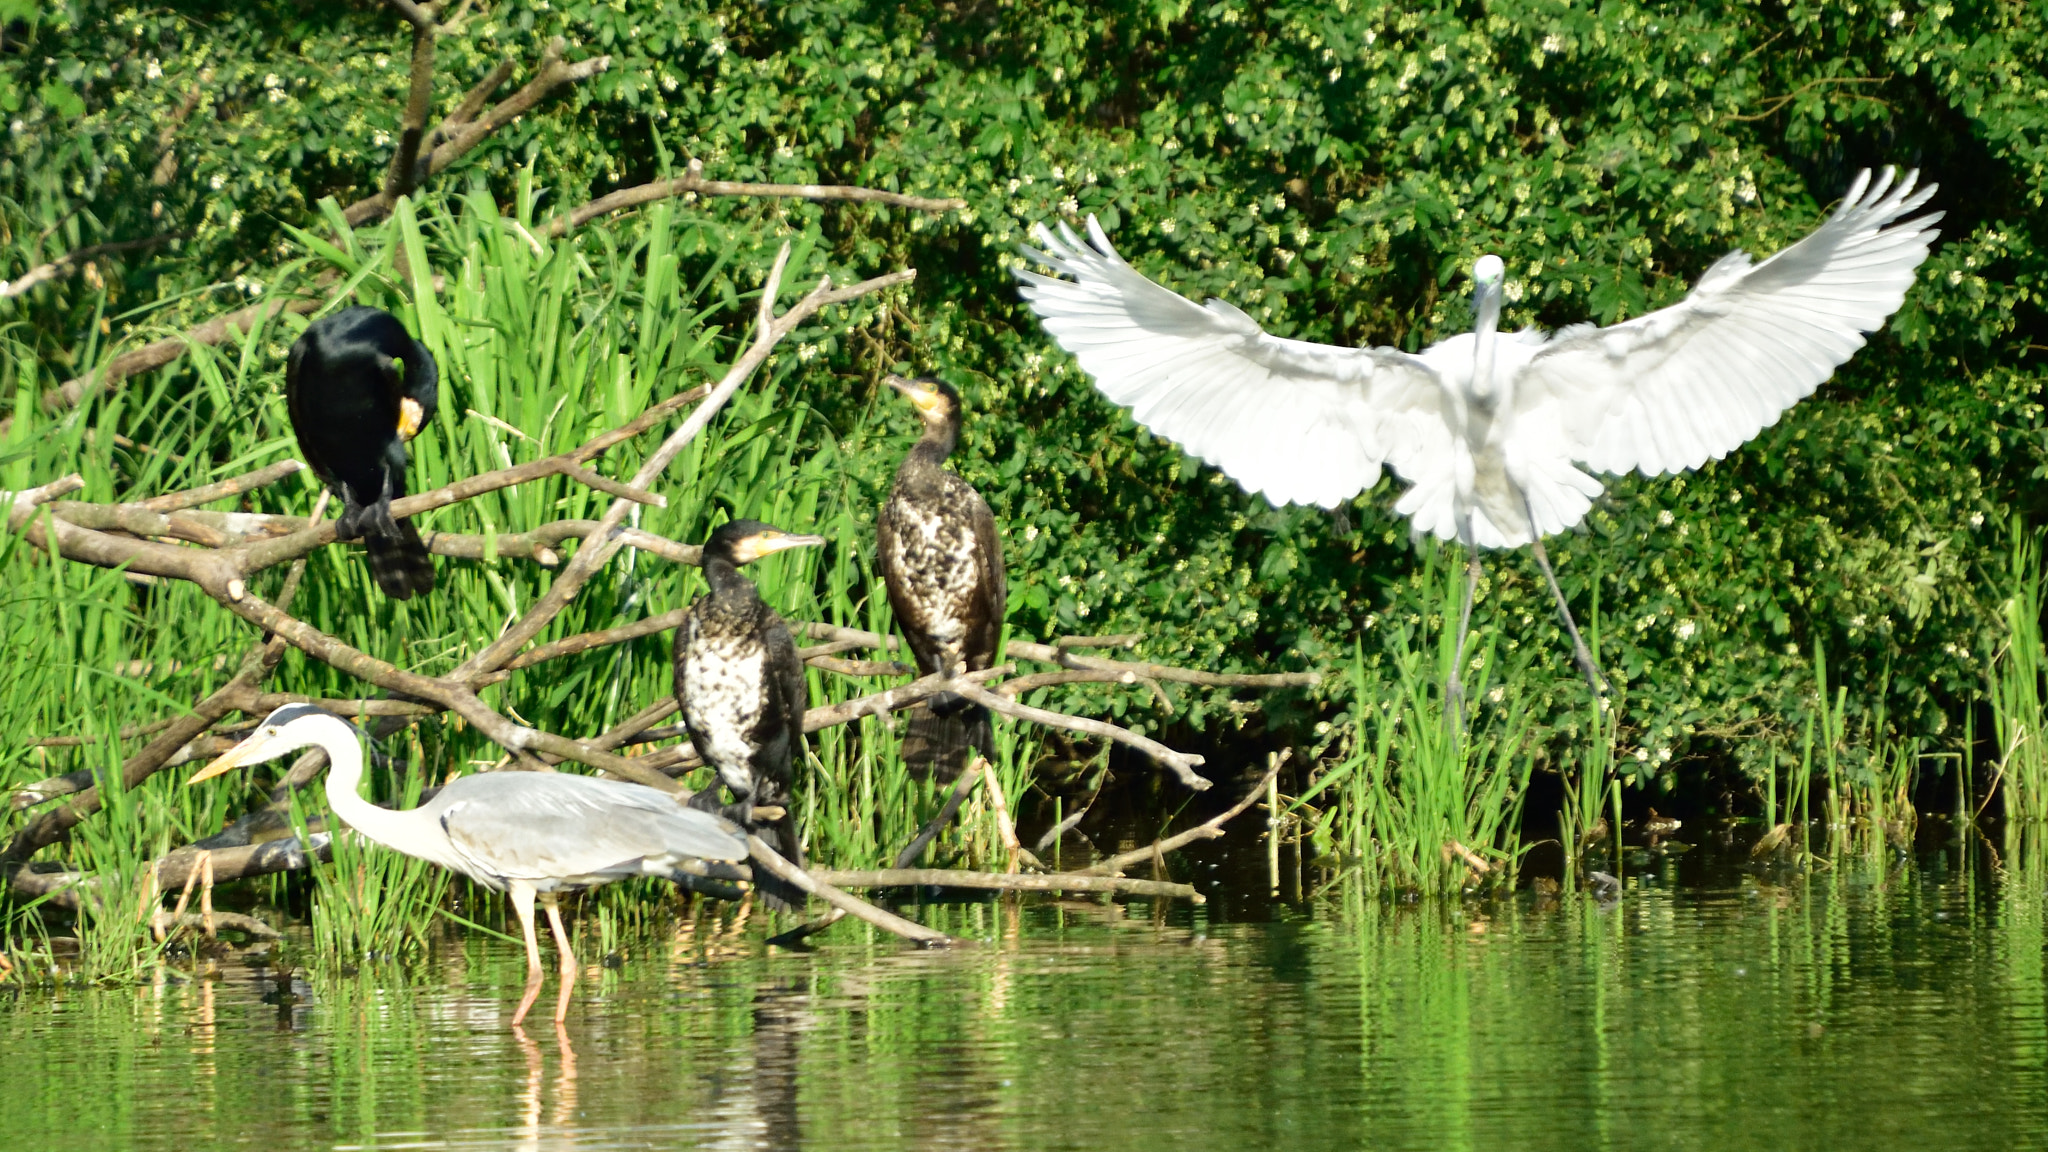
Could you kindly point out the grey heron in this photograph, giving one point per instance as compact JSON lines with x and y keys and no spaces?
{"x":526,"y":834}
{"x":1495,"y":434}
{"x":741,"y":690}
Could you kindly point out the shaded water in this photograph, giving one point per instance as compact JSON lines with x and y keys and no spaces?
{"x":1876,"y":1005}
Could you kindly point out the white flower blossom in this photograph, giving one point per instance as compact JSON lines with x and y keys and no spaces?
{"x":1552,"y":44}
{"x":1664,"y":518}
{"x":1686,"y":628}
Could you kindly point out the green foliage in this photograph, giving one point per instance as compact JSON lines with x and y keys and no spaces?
{"x":1326,"y":166}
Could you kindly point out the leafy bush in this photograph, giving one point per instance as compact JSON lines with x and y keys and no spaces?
{"x":1330,"y":167}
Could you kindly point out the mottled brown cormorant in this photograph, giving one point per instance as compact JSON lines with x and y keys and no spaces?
{"x":741,"y":688}
{"x":942,"y":561}
{"x":358,"y":387}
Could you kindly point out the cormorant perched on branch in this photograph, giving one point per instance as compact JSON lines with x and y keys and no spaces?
{"x":358,"y":387}
{"x":742,"y":692}
{"x":942,"y":560}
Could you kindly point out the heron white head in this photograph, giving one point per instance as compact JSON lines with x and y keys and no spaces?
{"x":283,"y":732}
{"x":1488,"y":271}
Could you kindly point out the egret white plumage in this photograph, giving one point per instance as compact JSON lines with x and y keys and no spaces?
{"x":526,"y":834}
{"x":1495,"y":434}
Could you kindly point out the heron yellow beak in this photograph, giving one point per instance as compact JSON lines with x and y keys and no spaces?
{"x":928,"y":400}
{"x":228,"y":761}
{"x":410,"y":417}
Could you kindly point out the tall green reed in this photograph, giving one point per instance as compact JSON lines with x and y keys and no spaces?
{"x":2016,"y":686}
{"x":1417,"y":797}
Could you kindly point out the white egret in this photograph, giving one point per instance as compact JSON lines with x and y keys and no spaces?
{"x":1494,"y":433}
{"x":526,"y":834}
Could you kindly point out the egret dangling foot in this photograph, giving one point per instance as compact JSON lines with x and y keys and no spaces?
{"x":1454,"y":688}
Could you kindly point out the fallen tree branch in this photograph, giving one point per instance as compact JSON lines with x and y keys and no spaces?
{"x":1005,"y":881}
{"x":767,"y":858}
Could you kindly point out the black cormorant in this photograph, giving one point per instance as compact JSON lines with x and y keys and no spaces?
{"x":741,"y":688}
{"x":358,"y":387}
{"x":942,"y":560}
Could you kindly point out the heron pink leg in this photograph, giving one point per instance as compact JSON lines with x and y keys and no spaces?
{"x":522,"y":903}
{"x":567,"y":957}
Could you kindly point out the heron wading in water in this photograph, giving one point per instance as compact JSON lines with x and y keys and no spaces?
{"x":1494,"y":433}
{"x":526,"y":834}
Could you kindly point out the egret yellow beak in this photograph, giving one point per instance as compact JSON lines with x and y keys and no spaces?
{"x":228,"y":761}
{"x":928,"y":400}
{"x":410,"y":417}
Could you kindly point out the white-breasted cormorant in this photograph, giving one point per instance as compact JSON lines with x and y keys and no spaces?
{"x":358,"y":387}
{"x":942,"y":560}
{"x":742,"y":692}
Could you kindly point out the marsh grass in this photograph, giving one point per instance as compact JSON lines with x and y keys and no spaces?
{"x":2016,"y":689}
{"x":1412,"y":789}
{"x":541,"y":345}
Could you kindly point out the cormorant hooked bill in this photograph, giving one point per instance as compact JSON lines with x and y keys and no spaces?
{"x":358,"y":387}
{"x":942,"y":561}
{"x":742,"y":692}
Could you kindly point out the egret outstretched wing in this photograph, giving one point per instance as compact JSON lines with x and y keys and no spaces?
{"x":1693,"y":382}
{"x":1295,"y":420}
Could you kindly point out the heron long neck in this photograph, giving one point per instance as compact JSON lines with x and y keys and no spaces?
{"x":344,"y":776}
{"x":1488,"y":308}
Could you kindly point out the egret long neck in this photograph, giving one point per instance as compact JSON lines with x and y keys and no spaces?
{"x":344,"y":776}
{"x":1488,"y":308}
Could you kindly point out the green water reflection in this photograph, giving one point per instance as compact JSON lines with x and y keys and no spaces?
{"x":1867,"y":1007}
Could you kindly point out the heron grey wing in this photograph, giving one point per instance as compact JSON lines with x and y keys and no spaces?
{"x":1668,"y":391}
{"x":1295,"y":420}
{"x":540,"y":826}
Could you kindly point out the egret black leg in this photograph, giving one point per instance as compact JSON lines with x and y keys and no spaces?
{"x":1454,"y":688}
{"x":1580,"y":652}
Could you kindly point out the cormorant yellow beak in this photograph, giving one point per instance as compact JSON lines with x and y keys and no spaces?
{"x":410,"y":417}
{"x":928,"y":400}
{"x":762,"y":543}
{"x":233,"y":758}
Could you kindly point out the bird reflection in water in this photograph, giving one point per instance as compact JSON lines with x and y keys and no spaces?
{"x":564,"y":1110}
{"x":778,"y":1023}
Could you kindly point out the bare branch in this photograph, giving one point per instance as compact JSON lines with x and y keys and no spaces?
{"x":1004,"y":881}
{"x":70,"y":393}
{"x":71,"y":262}
{"x":694,"y":183}
{"x":222,"y":489}
{"x":598,"y":548}
{"x":768,"y":858}
{"x":1207,"y":830}
{"x":1181,"y":763}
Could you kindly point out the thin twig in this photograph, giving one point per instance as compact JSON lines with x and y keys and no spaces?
{"x":695,"y":184}
{"x":1182,"y":764}
{"x":925,"y":835}
{"x":1207,"y":830}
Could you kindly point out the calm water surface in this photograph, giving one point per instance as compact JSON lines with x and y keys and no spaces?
{"x":1872,"y":1006}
